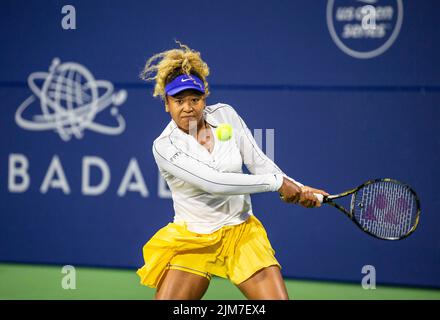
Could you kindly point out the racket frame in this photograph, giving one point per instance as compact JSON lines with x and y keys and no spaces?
{"x":350,"y":214}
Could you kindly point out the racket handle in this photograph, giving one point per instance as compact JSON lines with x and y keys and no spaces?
{"x":319,"y":196}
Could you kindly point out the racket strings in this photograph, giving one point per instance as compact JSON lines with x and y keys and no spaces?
{"x":386,"y":209}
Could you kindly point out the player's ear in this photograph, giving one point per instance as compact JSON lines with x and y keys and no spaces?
{"x":167,"y":109}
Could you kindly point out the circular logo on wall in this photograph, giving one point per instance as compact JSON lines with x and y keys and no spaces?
{"x":364,"y":28}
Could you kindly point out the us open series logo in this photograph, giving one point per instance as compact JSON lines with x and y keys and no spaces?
{"x":364,"y":29}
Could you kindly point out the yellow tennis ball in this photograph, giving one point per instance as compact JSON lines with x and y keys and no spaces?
{"x":224,"y":131}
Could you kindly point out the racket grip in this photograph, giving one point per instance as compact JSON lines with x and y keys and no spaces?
{"x":319,"y":196}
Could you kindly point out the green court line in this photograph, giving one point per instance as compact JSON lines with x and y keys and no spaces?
{"x":21,"y":281}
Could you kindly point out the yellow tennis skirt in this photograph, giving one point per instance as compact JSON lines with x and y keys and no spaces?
{"x":233,"y":252}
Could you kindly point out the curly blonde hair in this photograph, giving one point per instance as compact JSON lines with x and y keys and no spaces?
{"x":165,"y":66}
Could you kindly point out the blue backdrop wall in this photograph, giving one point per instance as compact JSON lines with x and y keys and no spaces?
{"x":347,"y":102}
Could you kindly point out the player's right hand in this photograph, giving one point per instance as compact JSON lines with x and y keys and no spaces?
{"x":308,"y":197}
{"x":289,"y":191}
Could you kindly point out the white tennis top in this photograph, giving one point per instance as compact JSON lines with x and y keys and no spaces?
{"x":210,"y":190}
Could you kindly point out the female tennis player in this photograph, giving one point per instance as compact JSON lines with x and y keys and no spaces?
{"x":214,"y":231}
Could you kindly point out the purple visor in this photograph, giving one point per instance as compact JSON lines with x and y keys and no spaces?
{"x":184,"y":82}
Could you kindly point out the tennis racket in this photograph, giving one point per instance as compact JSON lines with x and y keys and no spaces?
{"x":384,"y":208}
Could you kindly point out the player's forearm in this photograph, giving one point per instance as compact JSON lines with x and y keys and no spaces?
{"x":225,"y":183}
{"x":211,"y":180}
{"x":237,"y":183}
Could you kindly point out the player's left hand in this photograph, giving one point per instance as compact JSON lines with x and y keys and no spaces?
{"x":307,"y":198}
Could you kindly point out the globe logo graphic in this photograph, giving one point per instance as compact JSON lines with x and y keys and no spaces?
{"x":70,"y":98}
